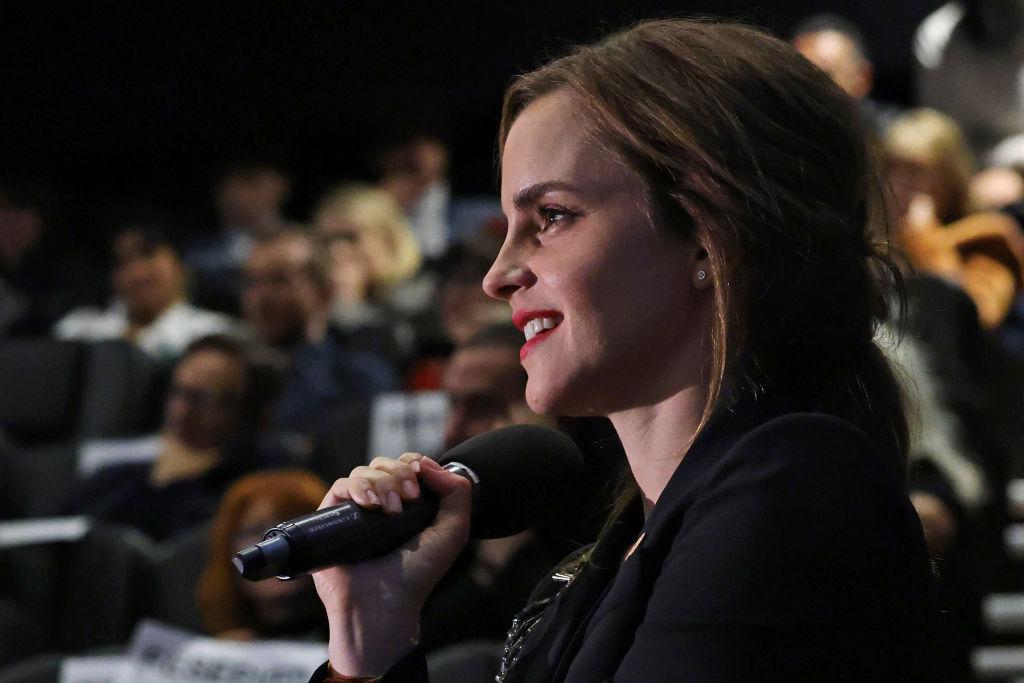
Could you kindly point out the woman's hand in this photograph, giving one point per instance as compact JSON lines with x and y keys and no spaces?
{"x":373,"y":607}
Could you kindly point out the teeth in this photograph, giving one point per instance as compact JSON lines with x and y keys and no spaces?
{"x":536,"y":326}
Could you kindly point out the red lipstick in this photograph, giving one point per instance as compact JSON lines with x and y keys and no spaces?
{"x":521,"y":318}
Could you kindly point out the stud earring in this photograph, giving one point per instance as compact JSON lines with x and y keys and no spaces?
{"x":701,"y":275}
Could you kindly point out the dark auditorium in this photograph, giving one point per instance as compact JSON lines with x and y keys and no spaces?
{"x":566,"y":341}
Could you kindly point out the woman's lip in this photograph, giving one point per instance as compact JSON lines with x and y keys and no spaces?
{"x":520,"y":318}
{"x":537,"y":339}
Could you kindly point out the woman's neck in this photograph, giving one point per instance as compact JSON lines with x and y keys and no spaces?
{"x":656,"y":437}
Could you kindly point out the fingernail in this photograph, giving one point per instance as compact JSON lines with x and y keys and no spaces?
{"x":415,"y":465}
{"x":372,"y":497}
{"x":409,"y":489}
{"x":394,"y":502}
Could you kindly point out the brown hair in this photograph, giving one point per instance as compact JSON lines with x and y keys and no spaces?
{"x":756,"y":155}
{"x":291,"y":493}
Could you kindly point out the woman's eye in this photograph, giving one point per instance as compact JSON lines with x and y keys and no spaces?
{"x":552,"y":215}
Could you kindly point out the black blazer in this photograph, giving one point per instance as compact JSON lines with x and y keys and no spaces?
{"x":782,"y":549}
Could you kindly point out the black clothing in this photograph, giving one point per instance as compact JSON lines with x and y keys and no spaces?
{"x":783,"y":548}
{"x":123,"y":494}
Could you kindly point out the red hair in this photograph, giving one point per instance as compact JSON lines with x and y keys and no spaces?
{"x":290,"y":493}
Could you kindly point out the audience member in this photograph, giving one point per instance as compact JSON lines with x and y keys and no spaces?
{"x":287,"y":300}
{"x":150,"y":306}
{"x":373,"y":253}
{"x":837,"y":47}
{"x":39,"y":283}
{"x":212,"y":434}
{"x":965,"y":431}
{"x":250,"y":196}
{"x":462,"y":309}
{"x":926,"y":154}
{"x":486,"y":386}
{"x":465,"y":310}
{"x":415,"y":172}
{"x":485,"y":383}
{"x":969,"y":63}
{"x":929,"y":168}
{"x":245,"y":610}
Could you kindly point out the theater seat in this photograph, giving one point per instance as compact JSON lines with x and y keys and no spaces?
{"x":173,"y":570}
{"x":41,"y":669}
{"x":20,"y":634}
{"x":101,"y":593}
{"x":41,"y":388}
{"x":82,"y":584}
{"x":59,"y":390}
{"x":122,"y":391}
{"x":37,"y":480}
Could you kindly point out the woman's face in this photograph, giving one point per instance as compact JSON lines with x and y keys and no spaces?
{"x":353,"y":242}
{"x":277,"y":604}
{"x":910,"y":176}
{"x":626,"y":312}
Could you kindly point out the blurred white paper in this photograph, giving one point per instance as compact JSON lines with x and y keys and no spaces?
{"x":95,"y":669}
{"x":407,"y":421}
{"x":162,"y":654}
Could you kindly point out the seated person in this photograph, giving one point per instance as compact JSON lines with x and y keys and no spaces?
{"x":40,"y":278}
{"x":837,"y":46}
{"x":414,"y":170}
{"x":287,"y":301}
{"x":211,"y":436}
{"x":373,"y":255}
{"x":246,"y":610}
{"x":150,"y":308}
{"x":929,"y":170}
{"x":249,"y":197}
{"x":462,"y":309}
{"x":486,"y":384}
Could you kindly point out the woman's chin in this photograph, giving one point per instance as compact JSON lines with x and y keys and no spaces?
{"x":559,"y":401}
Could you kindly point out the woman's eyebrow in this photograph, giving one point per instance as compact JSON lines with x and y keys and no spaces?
{"x":528,"y":195}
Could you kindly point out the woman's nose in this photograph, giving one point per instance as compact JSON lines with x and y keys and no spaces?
{"x":508,"y":274}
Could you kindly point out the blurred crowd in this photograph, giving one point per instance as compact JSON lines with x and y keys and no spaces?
{"x":212,"y":382}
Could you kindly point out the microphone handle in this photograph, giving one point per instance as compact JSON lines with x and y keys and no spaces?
{"x":348,"y":533}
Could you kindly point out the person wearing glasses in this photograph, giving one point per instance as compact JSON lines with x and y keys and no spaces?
{"x":215,"y":409}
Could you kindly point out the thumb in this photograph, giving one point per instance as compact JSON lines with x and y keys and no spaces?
{"x":454,"y":490}
{"x":438,"y":479}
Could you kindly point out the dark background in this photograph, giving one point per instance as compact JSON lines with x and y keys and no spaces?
{"x":114,"y":103}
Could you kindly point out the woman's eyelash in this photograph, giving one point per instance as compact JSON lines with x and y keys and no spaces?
{"x":550,"y":215}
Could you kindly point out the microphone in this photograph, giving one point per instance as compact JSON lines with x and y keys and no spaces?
{"x":522,"y":476}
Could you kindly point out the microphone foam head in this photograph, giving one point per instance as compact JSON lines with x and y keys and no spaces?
{"x":528,"y":474}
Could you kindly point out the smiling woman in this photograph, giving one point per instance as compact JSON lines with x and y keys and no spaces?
{"x":694,"y":251}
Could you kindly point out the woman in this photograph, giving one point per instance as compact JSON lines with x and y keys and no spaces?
{"x":929,"y":172}
{"x":926,"y":153}
{"x":242,"y":610}
{"x":373,"y":248}
{"x":374,"y":259}
{"x":691,"y":252}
